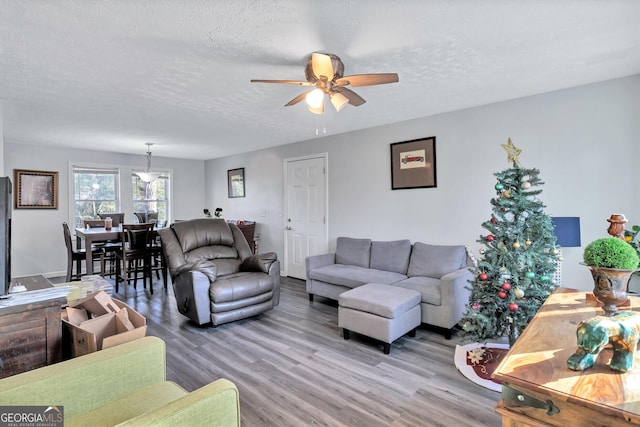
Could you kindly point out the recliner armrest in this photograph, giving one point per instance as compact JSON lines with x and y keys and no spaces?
{"x":259,"y":262}
{"x":206,"y":267}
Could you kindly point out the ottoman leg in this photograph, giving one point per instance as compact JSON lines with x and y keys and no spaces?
{"x":412,"y":333}
{"x":346,"y":334}
{"x":386,"y":347}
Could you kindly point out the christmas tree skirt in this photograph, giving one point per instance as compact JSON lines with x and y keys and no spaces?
{"x":478,"y":361}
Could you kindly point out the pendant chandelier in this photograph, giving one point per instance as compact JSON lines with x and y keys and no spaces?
{"x":147,"y":175}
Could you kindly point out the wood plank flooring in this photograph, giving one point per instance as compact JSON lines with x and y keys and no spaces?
{"x":293,"y":368}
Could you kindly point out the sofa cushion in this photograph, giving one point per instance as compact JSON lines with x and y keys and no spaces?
{"x":429,"y":288}
{"x":352,"y":276}
{"x":435,"y":260}
{"x":382,"y":300}
{"x":143,"y":400}
{"x":352,"y":251}
{"x":391,"y":256}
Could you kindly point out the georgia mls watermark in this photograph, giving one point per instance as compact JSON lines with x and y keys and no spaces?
{"x":31,"y":416}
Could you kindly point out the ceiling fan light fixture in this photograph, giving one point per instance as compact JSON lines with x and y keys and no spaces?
{"x":338,"y":100}
{"x":315,"y":98}
{"x":316,"y":110}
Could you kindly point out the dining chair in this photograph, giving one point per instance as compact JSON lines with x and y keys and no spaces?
{"x":136,"y":255}
{"x":117,"y":218}
{"x":159,"y":262}
{"x":110,"y":248}
{"x":78,"y":255}
{"x":146,"y":216}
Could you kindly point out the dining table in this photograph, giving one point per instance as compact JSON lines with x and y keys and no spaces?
{"x":97,"y":234}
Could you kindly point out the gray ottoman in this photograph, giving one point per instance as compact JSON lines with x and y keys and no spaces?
{"x":383,"y":312}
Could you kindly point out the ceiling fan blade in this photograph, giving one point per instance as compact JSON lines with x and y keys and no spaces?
{"x":286,"y":82}
{"x":354,"y":99}
{"x":322,"y":65}
{"x":298,"y":98}
{"x":367,"y":79}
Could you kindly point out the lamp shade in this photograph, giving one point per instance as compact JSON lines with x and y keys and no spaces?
{"x":567,"y":231}
{"x":149,"y":176}
{"x":315,"y":98}
{"x":338,"y":100}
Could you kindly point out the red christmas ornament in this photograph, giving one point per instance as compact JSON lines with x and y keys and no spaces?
{"x":503,"y":295}
{"x":489,"y":238}
{"x":513,"y":307}
{"x":483,"y":276}
{"x":493,"y":220}
{"x":506,"y":286}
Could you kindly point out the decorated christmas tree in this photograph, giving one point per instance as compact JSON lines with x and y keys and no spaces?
{"x":514,"y":274}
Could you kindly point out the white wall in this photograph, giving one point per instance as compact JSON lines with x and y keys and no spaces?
{"x":2,"y":138}
{"x":37,"y":240}
{"x":584,"y":140}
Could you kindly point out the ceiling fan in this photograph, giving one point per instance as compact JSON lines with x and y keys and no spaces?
{"x":326,"y":73}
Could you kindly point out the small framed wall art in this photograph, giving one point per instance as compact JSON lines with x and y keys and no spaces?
{"x":35,"y":189}
{"x":235,"y":182}
{"x":413,"y":164}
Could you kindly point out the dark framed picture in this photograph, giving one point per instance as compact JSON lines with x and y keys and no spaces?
{"x":235,"y":182}
{"x":413,"y":164}
{"x":35,"y":189}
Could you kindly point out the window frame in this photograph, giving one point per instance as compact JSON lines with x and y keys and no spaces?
{"x":96,"y":169}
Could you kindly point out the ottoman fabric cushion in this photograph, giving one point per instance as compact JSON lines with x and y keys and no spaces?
{"x":382,"y":300}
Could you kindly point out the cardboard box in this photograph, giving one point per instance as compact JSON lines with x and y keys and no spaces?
{"x":97,"y":303}
{"x":87,"y":331}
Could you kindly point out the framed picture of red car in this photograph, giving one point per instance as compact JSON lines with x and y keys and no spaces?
{"x":413,"y":164}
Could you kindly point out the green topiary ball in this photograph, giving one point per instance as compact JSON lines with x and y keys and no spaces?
{"x":611,"y":252}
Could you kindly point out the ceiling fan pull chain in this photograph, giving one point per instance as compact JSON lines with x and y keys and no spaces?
{"x":324,"y":123}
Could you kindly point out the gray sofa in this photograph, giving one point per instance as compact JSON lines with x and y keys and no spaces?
{"x":216,"y":278}
{"x":440,"y":273}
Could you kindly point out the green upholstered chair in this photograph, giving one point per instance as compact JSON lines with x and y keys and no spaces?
{"x":124,"y":385}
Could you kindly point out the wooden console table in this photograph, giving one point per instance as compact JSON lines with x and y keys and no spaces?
{"x":538,"y":388}
{"x":30,"y":336}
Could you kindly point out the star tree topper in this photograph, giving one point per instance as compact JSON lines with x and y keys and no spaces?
{"x":512,"y":152}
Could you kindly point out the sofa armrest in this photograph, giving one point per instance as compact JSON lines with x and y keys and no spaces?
{"x":316,"y":261}
{"x":84,"y":383}
{"x":216,"y":404}
{"x":259,"y":262}
{"x":455,"y":290}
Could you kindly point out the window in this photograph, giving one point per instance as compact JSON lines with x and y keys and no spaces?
{"x":95,"y":191}
{"x":152,"y":196}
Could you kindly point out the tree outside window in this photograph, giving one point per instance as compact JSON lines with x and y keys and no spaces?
{"x":95,"y":191}
{"x":151,"y":196}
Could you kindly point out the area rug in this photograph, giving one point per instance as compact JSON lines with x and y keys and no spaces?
{"x":478,"y":361}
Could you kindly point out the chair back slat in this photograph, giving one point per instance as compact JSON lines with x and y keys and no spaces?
{"x":93,"y":223}
{"x":117,"y":218}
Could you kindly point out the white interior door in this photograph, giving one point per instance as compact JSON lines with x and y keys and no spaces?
{"x":305,"y":212}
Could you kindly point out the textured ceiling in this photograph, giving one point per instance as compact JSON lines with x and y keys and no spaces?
{"x":115,"y":74}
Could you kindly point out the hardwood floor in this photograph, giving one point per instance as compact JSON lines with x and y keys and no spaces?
{"x":293,"y":368}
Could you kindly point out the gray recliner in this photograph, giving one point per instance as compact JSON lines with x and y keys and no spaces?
{"x":215,"y":276}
